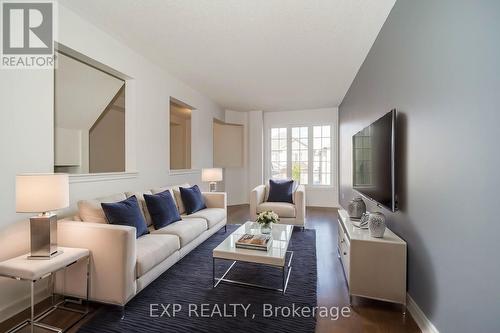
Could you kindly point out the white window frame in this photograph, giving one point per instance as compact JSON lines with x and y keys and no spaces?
{"x":288,"y":153}
{"x":309,"y":153}
{"x":333,"y":145}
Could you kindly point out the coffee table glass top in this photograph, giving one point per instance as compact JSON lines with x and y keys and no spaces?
{"x":281,"y":234}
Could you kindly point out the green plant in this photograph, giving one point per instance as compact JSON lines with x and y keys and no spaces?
{"x":267,"y":217}
{"x":296,"y":171}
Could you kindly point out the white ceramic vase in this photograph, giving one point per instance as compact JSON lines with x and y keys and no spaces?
{"x":356,"y":208}
{"x":376,"y":224}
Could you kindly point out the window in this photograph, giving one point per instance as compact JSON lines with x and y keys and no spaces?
{"x":300,"y":154}
{"x":322,"y":155}
{"x":89,"y":118}
{"x":279,"y":152}
{"x":303,"y":153}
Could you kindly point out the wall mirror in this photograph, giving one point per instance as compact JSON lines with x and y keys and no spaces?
{"x":89,"y":119}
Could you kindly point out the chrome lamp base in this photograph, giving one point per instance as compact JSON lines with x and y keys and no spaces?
{"x":52,"y":255}
{"x":43,"y":231}
{"x":213,"y":187}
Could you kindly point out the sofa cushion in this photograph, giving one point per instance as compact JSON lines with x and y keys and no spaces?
{"x":283,"y":209}
{"x":186,"y":230}
{"x":295,"y":186}
{"x":152,"y":249}
{"x":91,"y":210}
{"x":211,"y":215}
{"x":144,"y":208}
{"x":126,"y":212}
{"x":192,"y":198}
{"x":280,"y":191}
{"x":174,"y":190}
{"x":162,"y":208}
{"x":178,"y":200}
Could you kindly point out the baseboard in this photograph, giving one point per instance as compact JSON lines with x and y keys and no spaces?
{"x":232,"y":204}
{"x":323,"y":205}
{"x":420,"y":318}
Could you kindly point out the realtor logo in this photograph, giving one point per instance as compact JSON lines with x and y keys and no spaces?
{"x":27,"y":34}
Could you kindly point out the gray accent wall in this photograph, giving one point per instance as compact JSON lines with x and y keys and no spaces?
{"x":438,"y":63}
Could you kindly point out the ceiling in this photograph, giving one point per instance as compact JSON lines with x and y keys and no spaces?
{"x":249,"y":54}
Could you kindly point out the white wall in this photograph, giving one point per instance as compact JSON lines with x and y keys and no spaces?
{"x":315,"y":196}
{"x":27,"y":125}
{"x":437,"y":63}
{"x":236,"y":179}
{"x":255,"y":148}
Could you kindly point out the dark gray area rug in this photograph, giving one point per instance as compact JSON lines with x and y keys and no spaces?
{"x":186,"y":289}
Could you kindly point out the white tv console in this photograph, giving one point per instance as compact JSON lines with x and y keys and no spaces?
{"x":374,"y":267}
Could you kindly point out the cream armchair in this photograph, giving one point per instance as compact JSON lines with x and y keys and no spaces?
{"x":289,"y":213}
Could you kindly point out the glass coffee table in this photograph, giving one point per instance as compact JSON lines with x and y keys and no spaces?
{"x":278,"y":255}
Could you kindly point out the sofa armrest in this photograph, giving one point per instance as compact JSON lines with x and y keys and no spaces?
{"x":215,"y":199}
{"x":112,"y":264}
{"x":300,"y":202}
{"x":257,"y":197}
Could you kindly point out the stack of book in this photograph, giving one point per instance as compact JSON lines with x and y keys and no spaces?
{"x":255,"y":242}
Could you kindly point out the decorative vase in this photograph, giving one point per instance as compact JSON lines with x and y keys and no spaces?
{"x":363,"y":222}
{"x":376,"y":224}
{"x":356,"y":208}
{"x":266,"y":219}
{"x":265,"y":228}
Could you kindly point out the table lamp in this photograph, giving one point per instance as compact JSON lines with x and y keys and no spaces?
{"x":212,"y":175}
{"x":42,"y":193}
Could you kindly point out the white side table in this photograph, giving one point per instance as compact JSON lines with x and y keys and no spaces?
{"x":22,"y":269}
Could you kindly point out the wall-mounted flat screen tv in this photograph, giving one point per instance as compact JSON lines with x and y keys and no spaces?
{"x":373,"y":165}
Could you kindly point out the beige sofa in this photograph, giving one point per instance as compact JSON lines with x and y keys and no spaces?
{"x":121,"y":265}
{"x":289,"y":213}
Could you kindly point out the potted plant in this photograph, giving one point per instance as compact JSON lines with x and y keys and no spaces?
{"x":266,"y":219}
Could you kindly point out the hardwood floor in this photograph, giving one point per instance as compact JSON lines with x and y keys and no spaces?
{"x":365,"y":315}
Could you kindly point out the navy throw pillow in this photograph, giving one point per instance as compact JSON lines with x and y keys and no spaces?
{"x":192,"y":199}
{"x":162,"y":208}
{"x":280,"y":191}
{"x":126,"y":212}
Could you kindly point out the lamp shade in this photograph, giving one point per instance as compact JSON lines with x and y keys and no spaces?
{"x":37,"y":193}
{"x":211,"y":175}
